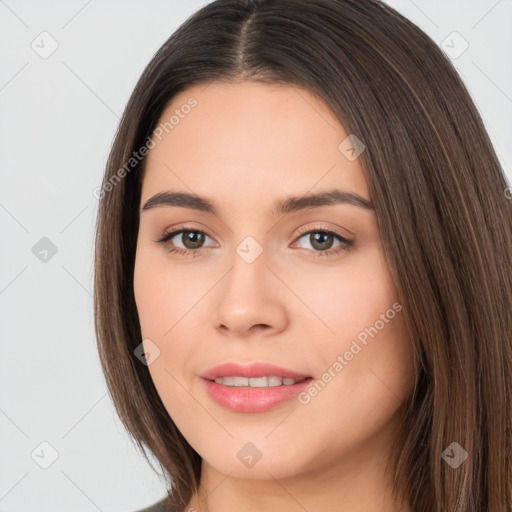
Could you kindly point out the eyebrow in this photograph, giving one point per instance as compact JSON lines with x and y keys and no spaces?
{"x":280,"y":207}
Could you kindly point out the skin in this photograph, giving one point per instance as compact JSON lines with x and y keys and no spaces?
{"x":244,"y":146}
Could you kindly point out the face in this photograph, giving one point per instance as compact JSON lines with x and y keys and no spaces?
{"x":305,"y":289}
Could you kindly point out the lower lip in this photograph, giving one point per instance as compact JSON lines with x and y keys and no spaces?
{"x":253,"y":399}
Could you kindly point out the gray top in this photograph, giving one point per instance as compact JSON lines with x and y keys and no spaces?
{"x":161,"y":506}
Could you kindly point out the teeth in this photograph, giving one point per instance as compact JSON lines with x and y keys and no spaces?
{"x":256,"y":382}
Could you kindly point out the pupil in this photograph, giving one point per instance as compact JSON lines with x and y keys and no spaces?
{"x":321,"y":241}
{"x":190,"y":239}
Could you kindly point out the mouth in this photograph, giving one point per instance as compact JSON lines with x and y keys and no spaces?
{"x":253,"y":375}
{"x":257,"y":382}
{"x":258,"y":387}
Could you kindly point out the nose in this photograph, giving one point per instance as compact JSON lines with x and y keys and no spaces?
{"x":251,"y":299}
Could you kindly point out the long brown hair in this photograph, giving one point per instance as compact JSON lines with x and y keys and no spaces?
{"x":444,"y":216}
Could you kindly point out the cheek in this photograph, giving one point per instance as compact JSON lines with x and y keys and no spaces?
{"x":165,"y":299}
{"x":160,"y":294}
{"x":160,"y":309}
{"x":348,"y":299}
{"x":363,"y":341}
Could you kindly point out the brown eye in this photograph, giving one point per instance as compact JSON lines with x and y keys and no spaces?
{"x":321,"y":240}
{"x":192,"y":239}
{"x":188,"y":241}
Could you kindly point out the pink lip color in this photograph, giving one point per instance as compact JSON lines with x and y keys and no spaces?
{"x":247,"y":399}
{"x":252,"y":370}
{"x":253,"y":399}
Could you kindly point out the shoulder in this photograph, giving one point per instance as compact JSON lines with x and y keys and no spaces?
{"x":160,"y":506}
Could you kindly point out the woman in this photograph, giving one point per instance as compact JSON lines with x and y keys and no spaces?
{"x":302,"y":275}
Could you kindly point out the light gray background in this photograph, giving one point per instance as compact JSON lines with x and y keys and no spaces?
{"x":58,"y":118}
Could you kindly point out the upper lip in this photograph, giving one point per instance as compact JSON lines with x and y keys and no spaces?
{"x":251,"y":370}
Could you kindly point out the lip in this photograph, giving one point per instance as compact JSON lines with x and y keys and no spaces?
{"x":251,"y":370}
{"x":247,"y":399}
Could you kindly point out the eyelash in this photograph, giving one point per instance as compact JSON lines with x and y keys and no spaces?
{"x":346,"y":244}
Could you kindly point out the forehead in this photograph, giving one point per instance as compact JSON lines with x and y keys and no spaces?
{"x":265,"y":136}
